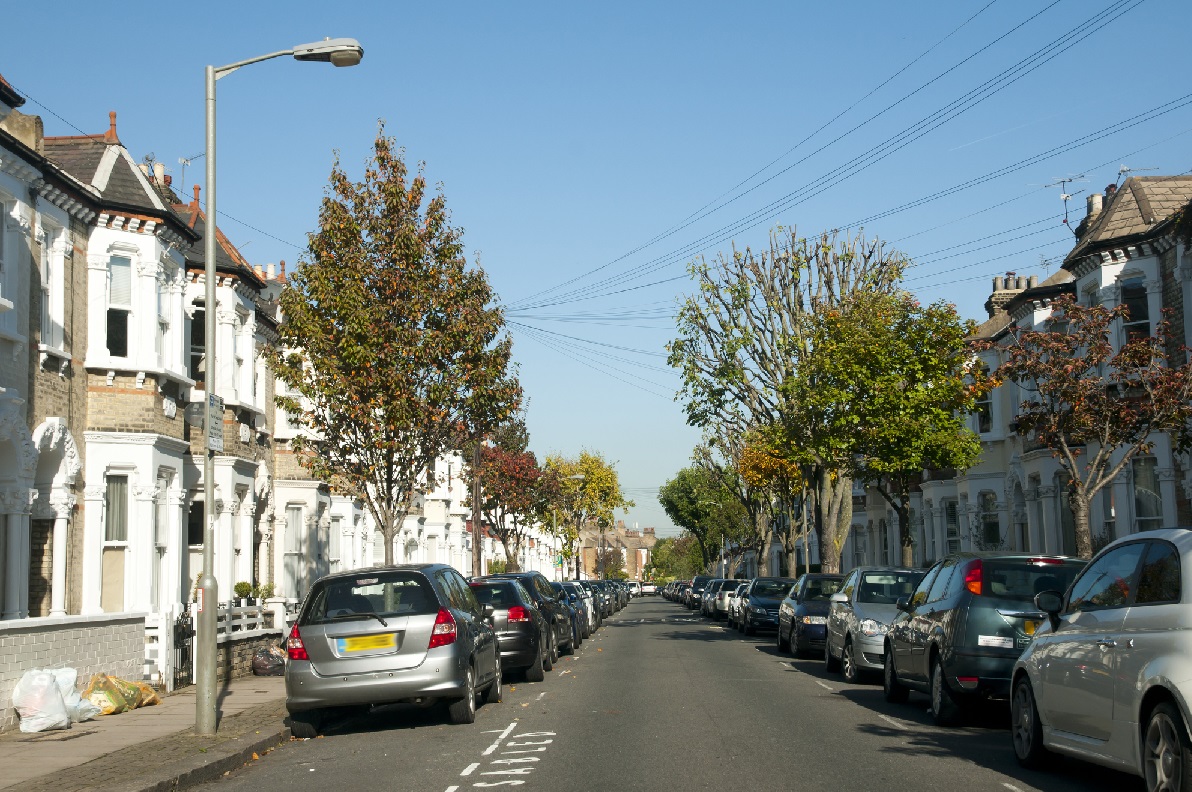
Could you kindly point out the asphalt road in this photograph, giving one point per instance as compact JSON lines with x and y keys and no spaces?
{"x":661,"y":699}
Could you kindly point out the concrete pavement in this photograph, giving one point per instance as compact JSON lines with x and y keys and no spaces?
{"x":149,"y":749}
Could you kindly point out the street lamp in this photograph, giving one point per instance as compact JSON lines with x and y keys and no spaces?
{"x":338,"y":52}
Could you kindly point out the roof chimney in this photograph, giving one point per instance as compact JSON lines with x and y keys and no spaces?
{"x":110,"y":136}
{"x":169,"y":180}
{"x":1094,"y":203}
{"x":1004,"y":289}
{"x":144,"y":166}
{"x":1110,"y":191}
{"x":270,"y":270}
{"x":194,"y":205}
{"x":159,"y":172}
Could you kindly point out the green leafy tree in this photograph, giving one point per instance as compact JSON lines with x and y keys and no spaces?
{"x":697,"y":501}
{"x":576,"y":492}
{"x":745,"y":333}
{"x":1095,"y":406}
{"x":612,"y":561}
{"x":895,"y":381}
{"x":390,"y":346}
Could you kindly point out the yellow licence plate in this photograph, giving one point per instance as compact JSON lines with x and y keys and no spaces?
{"x":368,"y":643}
{"x":1030,"y":626}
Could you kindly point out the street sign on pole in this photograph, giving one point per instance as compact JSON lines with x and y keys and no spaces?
{"x":215,"y":409}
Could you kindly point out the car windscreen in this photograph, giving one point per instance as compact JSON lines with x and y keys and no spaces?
{"x":1022,"y":579}
{"x":389,"y":593}
{"x":500,"y":595}
{"x":885,"y":588}
{"x":775,"y":589}
{"x":821,"y":589}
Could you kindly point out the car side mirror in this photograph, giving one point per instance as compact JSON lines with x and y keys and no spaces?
{"x":903,"y":604}
{"x":487,"y":611}
{"x":840,"y":597}
{"x":1051,"y":603}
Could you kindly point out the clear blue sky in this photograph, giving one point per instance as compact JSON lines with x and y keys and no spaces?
{"x":566,"y":137}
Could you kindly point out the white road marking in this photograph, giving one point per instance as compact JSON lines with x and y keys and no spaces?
{"x":540,"y":695}
{"x":468,"y":770}
{"x":1011,"y":787}
{"x":452,"y":788}
{"x":508,"y":730}
{"x":897,"y":724}
{"x":825,"y":687}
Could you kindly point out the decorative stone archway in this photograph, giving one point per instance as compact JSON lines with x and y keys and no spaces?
{"x":58,"y":468}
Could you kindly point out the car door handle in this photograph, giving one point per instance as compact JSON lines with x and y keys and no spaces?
{"x":1107,"y":643}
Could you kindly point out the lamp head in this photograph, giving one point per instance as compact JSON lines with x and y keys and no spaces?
{"x":337,"y":51}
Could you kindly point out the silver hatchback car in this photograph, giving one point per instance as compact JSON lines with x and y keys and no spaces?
{"x":1108,"y":677}
{"x":410,"y":633}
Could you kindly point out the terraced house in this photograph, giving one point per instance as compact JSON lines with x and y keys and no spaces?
{"x":1126,"y":251}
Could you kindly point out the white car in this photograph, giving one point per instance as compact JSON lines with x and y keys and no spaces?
{"x":649,"y":588}
{"x":635,"y":587}
{"x":1106,"y":678}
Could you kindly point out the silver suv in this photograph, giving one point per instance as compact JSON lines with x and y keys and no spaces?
{"x":406,"y":633}
{"x":1108,"y":677}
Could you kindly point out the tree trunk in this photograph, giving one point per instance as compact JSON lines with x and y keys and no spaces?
{"x":511,"y":564}
{"x":1079,"y":503}
{"x":833,"y":515}
{"x":904,"y":533}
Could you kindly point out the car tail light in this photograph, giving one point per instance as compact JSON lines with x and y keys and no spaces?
{"x":295,"y":649}
{"x":972,"y":577}
{"x":444,"y":630}
{"x":968,"y":683}
{"x":518,"y":614}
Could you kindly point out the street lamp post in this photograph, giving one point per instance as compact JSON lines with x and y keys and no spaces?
{"x":338,"y":52}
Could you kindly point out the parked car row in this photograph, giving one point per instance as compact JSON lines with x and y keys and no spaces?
{"x":422,"y":634}
{"x":1093,"y":657}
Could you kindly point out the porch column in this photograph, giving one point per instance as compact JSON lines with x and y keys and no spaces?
{"x":224,"y":550}
{"x":93,"y":498}
{"x":1052,"y":541}
{"x":244,"y":556}
{"x":16,"y":576}
{"x":176,"y":564}
{"x":63,"y":506}
{"x":142,"y":551}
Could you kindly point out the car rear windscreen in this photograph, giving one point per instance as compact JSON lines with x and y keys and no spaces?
{"x":1022,"y":579}
{"x":372,"y":594}
{"x":499,"y":595}
{"x":885,"y":588}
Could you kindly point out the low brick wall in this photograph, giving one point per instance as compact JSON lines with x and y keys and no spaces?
{"x":109,"y":643}
{"x":234,"y":655}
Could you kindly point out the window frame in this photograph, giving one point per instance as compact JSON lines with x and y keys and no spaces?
{"x":1088,"y":570}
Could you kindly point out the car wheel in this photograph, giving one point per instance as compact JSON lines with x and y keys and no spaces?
{"x":305,"y":725}
{"x":1166,"y":751}
{"x":783,"y":646}
{"x":830,"y":662}
{"x":797,"y":648}
{"x":548,"y":659}
{"x":896,"y":692}
{"x":555,"y":651}
{"x":1026,"y":730}
{"x":463,"y":710}
{"x":494,"y":693}
{"x":536,"y":672}
{"x":944,"y":709}
{"x":848,"y":662}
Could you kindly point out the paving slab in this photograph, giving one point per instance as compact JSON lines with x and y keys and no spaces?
{"x":153,"y":748}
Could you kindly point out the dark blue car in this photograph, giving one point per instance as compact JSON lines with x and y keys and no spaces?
{"x":759,"y":603}
{"x":803,"y":615}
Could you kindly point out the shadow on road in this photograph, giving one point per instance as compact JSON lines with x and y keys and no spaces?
{"x":983,"y":738}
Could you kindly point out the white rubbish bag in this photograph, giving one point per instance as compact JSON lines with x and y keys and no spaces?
{"x":38,"y":700}
{"x":78,"y":708}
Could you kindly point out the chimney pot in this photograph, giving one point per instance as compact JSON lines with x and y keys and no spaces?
{"x":1094,"y":204}
{"x":110,"y":135}
{"x":997,"y":283}
{"x":271,"y":270}
{"x":144,"y":166}
{"x":159,"y":172}
{"x":1032,"y":281}
{"x":1020,"y":283}
{"x":195,"y":203}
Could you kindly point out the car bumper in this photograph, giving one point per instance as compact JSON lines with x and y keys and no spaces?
{"x":437,"y":677}
{"x":766,"y":622}
{"x":811,"y":635}
{"x":992,"y":673}
{"x":517,"y":651}
{"x":870,"y":652}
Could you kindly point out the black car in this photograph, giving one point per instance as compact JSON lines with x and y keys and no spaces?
{"x":692,"y":595}
{"x":520,"y":626}
{"x":556,"y":612}
{"x":803,"y":615}
{"x":759,"y":604}
{"x":957,"y":636}
{"x":579,"y":612}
